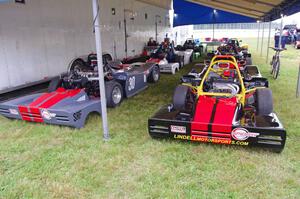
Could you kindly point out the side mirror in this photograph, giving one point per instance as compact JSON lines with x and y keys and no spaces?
{"x":240,"y":41}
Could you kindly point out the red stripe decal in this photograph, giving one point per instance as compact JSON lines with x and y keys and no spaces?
{"x":24,"y":112}
{"x":58,"y":97}
{"x":36,"y":115}
{"x":203,"y":113}
{"x":224,"y":115}
{"x":41,"y":99}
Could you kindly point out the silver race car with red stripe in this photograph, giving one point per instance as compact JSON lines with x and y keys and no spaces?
{"x":73,"y":97}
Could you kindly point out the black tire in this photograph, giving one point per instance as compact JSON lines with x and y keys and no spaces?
{"x":79,"y":65}
{"x":248,"y":61}
{"x":110,"y":88}
{"x":191,"y":58}
{"x":276,"y":68}
{"x":180,"y":97}
{"x":106,"y":58}
{"x":54,"y":84}
{"x":154,"y":75}
{"x":264,"y":101}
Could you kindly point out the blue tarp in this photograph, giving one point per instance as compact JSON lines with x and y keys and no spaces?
{"x":187,"y":13}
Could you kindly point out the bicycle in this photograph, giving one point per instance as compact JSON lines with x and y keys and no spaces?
{"x":275,"y":63}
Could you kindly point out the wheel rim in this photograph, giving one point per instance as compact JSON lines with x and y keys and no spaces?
{"x":77,"y":68}
{"x":116,"y":95}
{"x":155,"y":75}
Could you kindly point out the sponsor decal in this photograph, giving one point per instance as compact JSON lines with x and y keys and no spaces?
{"x":77,"y":116}
{"x":178,"y":129}
{"x":47,"y":115}
{"x":242,"y":134}
{"x":131,"y":83}
{"x":81,"y":99}
{"x":182,"y":137}
{"x":13,"y":111}
{"x":210,"y":140}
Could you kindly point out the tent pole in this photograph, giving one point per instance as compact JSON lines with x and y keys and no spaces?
{"x":262,"y":38}
{"x":269,"y":36}
{"x":258,"y":36}
{"x":96,"y":14}
{"x":280,"y":37}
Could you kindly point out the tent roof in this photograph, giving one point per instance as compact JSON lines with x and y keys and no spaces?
{"x":264,"y":10}
{"x":166,"y":4}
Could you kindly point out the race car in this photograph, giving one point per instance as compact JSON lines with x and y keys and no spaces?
{"x":232,"y":47}
{"x":221,"y":105}
{"x":72,"y":97}
{"x":187,"y":50}
{"x":166,"y":58}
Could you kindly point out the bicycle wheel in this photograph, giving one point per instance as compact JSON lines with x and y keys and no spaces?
{"x":271,"y":63}
{"x":276,"y":68}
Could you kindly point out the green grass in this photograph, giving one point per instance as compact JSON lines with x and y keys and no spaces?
{"x":42,"y":161}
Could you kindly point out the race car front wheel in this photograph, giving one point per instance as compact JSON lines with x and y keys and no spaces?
{"x":264,"y":101}
{"x":114,"y":94}
{"x":154,"y":75}
{"x":180,"y":97}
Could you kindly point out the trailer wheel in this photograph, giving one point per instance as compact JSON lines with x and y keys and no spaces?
{"x":54,"y":84}
{"x":180,"y":97}
{"x":154,"y":75}
{"x":114,"y":93}
{"x":264,"y":101}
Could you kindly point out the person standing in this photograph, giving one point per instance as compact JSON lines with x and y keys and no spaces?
{"x":276,"y":37}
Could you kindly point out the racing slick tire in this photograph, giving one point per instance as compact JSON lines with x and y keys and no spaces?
{"x":248,"y":61}
{"x":180,"y":96}
{"x":154,"y":75}
{"x":180,"y":60}
{"x":54,"y":84}
{"x":78,"y":65}
{"x":114,"y":93}
{"x":264,"y":101}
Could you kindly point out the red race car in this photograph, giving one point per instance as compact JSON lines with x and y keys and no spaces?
{"x":223,"y":105}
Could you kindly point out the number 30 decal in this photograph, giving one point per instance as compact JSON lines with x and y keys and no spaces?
{"x":131,"y":83}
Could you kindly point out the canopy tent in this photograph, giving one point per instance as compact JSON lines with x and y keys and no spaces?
{"x":187,"y":13}
{"x":240,"y":11}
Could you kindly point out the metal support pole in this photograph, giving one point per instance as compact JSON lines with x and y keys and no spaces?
{"x":96,"y":14}
{"x":281,"y":24}
{"x":268,"y":49}
{"x":156,"y":26}
{"x":258,"y":36}
{"x":298,"y":84}
{"x":262,"y":39}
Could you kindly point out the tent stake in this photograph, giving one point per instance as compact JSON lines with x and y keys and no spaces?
{"x":96,"y":14}
{"x":268,"y":49}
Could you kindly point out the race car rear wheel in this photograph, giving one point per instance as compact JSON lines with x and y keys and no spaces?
{"x":264,"y":101}
{"x":114,"y":94}
{"x":154,"y":75}
{"x":180,"y":97}
{"x":78,"y":65}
